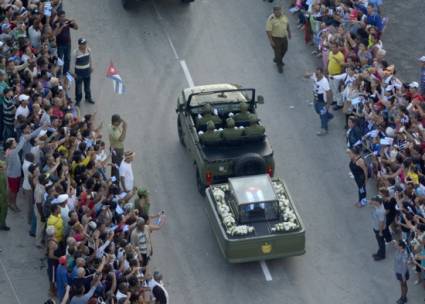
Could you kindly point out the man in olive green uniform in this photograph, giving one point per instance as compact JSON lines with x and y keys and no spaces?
{"x":254,"y":130}
{"x":230,"y":133}
{"x":244,"y":114}
{"x":208,"y":115}
{"x":210,"y":136}
{"x":117,"y":132}
{"x":278,"y":32}
{"x":3,"y":197}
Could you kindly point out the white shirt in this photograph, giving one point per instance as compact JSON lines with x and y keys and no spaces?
{"x":320,"y":86}
{"x":35,"y":37}
{"x":26,"y":183}
{"x":22,"y":111}
{"x":126,"y":171}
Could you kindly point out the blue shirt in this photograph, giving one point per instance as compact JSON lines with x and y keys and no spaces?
{"x":61,"y":281}
{"x":375,"y":20}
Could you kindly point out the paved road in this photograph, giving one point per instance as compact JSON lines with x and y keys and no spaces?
{"x":220,"y":41}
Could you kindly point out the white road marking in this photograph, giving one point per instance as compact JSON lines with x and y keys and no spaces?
{"x":10,"y":283}
{"x":187,"y":73}
{"x":266,"y":271}
{"x":172,"y":46}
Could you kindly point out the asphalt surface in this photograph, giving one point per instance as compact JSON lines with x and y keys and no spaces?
{"x":220,"y":41}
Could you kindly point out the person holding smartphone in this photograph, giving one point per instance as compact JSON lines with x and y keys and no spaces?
{"x":61,"y":27}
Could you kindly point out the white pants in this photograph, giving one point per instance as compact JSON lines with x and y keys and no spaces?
{"x":333,"y":83}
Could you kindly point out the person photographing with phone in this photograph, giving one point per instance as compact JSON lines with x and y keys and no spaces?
{"x":61,"y":29}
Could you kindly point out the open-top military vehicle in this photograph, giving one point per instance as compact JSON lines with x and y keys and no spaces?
{"x":254,"y":218}
{"x":206,"y":115}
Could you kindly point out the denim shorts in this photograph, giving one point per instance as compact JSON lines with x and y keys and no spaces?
{"x":400,"y":277}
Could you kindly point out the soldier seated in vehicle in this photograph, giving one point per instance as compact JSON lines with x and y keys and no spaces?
{"x":244,"y":115}
{"x":210,"y":136}
{"x":254,"y":130}
{"x":207,"y":115}
{"x":232,"y":133}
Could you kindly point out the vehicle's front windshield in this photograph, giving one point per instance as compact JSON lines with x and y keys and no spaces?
{"x":220,"y":97}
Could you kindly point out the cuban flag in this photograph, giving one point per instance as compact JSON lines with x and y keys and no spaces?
{"x":112,"y":73}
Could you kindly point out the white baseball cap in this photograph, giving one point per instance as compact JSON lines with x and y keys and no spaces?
{"x":23,"y":97}
{"x":414,"y":84}
{"x":422,"y":59}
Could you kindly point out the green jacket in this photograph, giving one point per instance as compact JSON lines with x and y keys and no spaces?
{"x":254,"y":131}
{"x":3,"y":187}
{"x":210,"y":137}
{"x":232,"y":134}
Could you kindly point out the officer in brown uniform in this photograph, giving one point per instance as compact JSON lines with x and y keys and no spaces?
{"x":278,"y":32}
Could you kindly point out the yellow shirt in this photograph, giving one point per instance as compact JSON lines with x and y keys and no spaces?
{"x":114,"y":137}
{"x":334,"y":67}
{"x":414,"y":177}
{"x":57,"y":222}
{"x":278,"y":26}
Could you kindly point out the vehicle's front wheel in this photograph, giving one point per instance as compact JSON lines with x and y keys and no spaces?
{"x":180,"y":132}
{"x":201,"y":186}
{"x":127,"y":3}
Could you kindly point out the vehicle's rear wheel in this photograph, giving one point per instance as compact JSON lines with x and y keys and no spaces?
{"x":180,"y":132}
{"x":127,"y":4}
{"x":201,"y":186}
{"x":250,"y":164}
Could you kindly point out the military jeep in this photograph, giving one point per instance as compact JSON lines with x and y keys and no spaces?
{"x":217,"y":161}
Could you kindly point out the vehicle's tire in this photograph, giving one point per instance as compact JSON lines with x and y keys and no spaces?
{"x":200,"y":185}
{"x":180,"y":132}
{"x":250,"y":164}
{"x":126,"y":4}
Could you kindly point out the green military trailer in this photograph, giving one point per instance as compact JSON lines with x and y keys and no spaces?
{"x":254,"y":218}
{"x":219,"y":127}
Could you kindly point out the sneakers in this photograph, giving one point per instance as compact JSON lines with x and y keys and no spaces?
{"x":322,"y":132}
{"x":90,"y":101}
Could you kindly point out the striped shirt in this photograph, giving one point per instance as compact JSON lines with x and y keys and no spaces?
{"x":8,"y":111}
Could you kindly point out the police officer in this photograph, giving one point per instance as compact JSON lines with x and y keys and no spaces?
{"x":83,"y":69}
{"x":210,"y":136}
{"x":231,"y":133}
{"x":278,"y":32}
{"x":379,"y":225}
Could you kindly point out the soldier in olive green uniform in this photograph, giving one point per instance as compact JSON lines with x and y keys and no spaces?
{"x":244,"y":114}
{"x":254,"y":130}
{"x":210,"y":136}
{"x":230,"y":133}
{"x":3,"y":197}
{"x":208,"y":115}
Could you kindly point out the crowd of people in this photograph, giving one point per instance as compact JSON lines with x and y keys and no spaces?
{"x":95,"y":227}
{"x":385,"y":120}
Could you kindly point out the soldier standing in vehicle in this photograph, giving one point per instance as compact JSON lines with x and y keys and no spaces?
{"x":210,"y":136}
{"x":83,"y":69}
{"x":278,"y":32}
